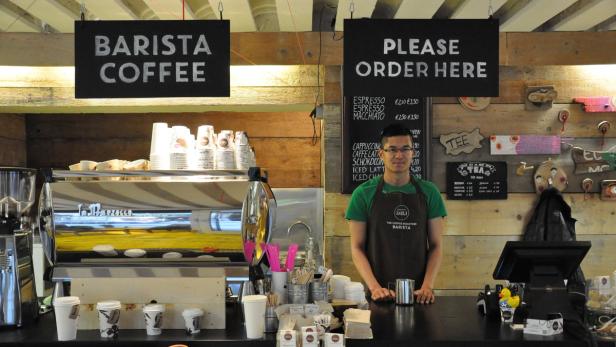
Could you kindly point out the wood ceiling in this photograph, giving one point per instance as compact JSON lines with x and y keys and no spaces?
{"x":57,"y":16}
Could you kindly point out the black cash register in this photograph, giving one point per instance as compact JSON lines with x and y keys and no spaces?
{"x":543,"y":266}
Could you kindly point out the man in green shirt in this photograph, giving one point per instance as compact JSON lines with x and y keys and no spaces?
{"x":396,"y":222}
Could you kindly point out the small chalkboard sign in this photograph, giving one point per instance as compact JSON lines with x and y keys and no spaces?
{"x":477,"y":180}
{"x":363,"y":119}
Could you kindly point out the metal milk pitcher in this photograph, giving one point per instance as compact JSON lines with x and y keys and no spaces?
{"x":404,"y":291}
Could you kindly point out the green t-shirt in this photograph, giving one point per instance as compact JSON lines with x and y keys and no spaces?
{"x":361,"y":200}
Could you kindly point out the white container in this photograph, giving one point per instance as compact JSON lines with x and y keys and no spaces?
{"x":338,"y":282}
{"x":160,"y":138}
{"x":109,"y":317}
{"x":279,"y":283}
{"x":153,"y":315}
{"x":354,"y":291}
{"x":192,"y":320}
{"x":254,"y":310}
{"x":67,"y":315}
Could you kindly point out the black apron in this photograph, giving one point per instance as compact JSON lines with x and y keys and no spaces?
{"x":397,"y":235}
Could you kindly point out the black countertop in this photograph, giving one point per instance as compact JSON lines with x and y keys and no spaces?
{"x":451,"y":321}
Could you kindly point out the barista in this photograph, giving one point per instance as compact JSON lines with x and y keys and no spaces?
{"x":396,"y":222}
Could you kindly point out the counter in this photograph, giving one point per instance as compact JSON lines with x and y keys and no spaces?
{"x":451,"y":321}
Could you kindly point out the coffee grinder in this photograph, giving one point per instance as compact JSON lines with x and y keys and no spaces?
{"x":18,"y":302}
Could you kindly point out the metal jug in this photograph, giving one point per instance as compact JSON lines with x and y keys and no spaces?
{"x":404,"y":291}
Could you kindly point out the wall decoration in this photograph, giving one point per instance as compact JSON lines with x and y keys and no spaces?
{"x":587,"y":162}
{"x":539,"y":97}
{"x":477,"y":180}
{"x":474,"y":103}
{"x":456,"y":143}
{"x":563,"y":116}
{"x":608,"y":190}
{"x":597,"y":103}
{"x":549,"y":174}
{"x":522,"y":168}
{"x":524,"y":144}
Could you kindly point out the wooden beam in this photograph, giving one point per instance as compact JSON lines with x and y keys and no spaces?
{"x":51,"y":12}
{"x":362,"y":9}
{"x":238,"y":12}
{"x":553,"y":48}
{"x":418,"y":9}
{"x":168,"y":9}
{"x":588,"y":16}
{"x":109,"y":10}
{"x":534,"y":14}
{"x":476,"y":9}
{"x":294,"y":15}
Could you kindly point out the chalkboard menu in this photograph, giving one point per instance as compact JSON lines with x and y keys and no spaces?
{"x":363,"y":119}
{"x":477,"y":180}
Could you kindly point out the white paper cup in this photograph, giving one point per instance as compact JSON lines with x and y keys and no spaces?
{"x":339,"y":282}
{"x":67,"y":313}
{"x":160,"y":138}
{"x":153,"y":315}
{"x":192,"y":320}
{"x":279,"y":282}
{"x":109,"y":317}
{"x":254,"y":310}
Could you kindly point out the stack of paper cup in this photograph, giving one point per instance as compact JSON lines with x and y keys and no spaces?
{"x":254,"y":309}
{"x":242,"y":150}
{"x":205,"y":147}
{"x":339,"y":282}
{"x":159,"y":147}
{"x":354,"y":291}
{"x":153,"y":314}
{"x":192,"y":320}
{"x":67,"y":314}
{"x":179,"y":151}
{"x":109,"y":317}
{"x":225,"y":156}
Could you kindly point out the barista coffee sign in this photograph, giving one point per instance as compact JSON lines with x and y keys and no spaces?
{"x":421,"y":57}
{"x":141,"y":59}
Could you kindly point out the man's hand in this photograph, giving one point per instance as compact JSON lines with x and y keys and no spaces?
{"x":424,"y":295}
{"x":382,"y":294}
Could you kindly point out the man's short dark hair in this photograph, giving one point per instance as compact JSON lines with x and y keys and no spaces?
{"x":394,"y":129}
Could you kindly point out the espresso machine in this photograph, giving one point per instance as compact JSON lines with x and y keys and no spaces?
{"x":135,"y":235}
{"x":18,"y":302}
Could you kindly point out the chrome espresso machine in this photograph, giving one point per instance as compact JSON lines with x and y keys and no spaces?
{"x":18,"y":302}
{"x":171,"y":237}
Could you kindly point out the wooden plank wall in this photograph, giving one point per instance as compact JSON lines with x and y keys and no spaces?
{"x":282,"y":140}
{"x":12,"y":140}
{"x":477,"y":230}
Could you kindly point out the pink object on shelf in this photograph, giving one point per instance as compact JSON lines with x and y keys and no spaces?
{"x":249,"y":249}
{"x":291,"y":252}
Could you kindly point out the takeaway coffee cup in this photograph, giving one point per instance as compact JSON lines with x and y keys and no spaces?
{"x":254,"y":308}
{"x":192,"y":320}
{"x":109,"y":317}
{"x":153,"y":315}
{"x":67,"y":314}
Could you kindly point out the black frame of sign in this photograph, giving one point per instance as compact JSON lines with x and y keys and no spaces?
{"x":348,"y":184}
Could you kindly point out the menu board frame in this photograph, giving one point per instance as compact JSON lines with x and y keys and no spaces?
{"x":464,"y":179}
{"x":369,"y":131}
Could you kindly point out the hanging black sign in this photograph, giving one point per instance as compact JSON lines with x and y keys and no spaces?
{"x":435,"y":57}
{"x":477,"y":180}
{"x":363,"y":119}
{"x":151,"y":58}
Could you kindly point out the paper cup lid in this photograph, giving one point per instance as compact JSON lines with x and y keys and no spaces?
{"x":109,"y":304}
{"x":134,"y":253}
{"x":341,"y":278}
{"x":66,"y":301}
{"x":254,"y":298}
{"x":172,"y":255}
{"x":154,"y":307}
{"x":192,"y":312}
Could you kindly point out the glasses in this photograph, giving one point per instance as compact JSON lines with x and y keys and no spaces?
{"x":394,"y":150}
